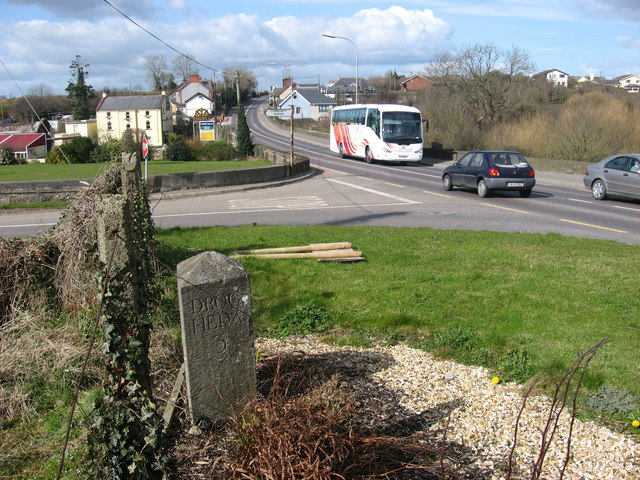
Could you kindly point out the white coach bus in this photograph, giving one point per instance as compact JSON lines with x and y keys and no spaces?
{"x":391,"y":133}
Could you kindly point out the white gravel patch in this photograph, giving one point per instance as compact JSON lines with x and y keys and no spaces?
{"x":486,"y":416}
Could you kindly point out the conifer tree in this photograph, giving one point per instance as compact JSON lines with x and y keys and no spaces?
{"x":79,"y":91}
{"x":244,"y":142}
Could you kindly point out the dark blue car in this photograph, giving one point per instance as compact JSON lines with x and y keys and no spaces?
{"x":487,"y":170}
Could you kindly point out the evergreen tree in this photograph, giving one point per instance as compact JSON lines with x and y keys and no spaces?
{"x":245,"y":144}
{"x":78,"y":90}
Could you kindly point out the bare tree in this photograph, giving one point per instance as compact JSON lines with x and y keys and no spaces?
{"x":183,"y":67}
{"x":156,"y":66}
{"x":246,"y":78}
{"x":484,"y":77}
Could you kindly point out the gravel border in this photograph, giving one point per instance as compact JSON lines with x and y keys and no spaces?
{"x":483,"y":414}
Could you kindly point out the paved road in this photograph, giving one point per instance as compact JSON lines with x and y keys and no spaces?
{"x":351,"y":192}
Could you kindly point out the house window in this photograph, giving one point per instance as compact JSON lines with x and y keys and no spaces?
{"x":148,"y":124}
{"x":128,"y":126}
{"x":108,"y":114}
{"x":147,"y":114}
{"x":109,"y":127}
{"x":127,"y":116}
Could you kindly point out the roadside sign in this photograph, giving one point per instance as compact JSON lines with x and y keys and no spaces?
{"x":145,"y":146}
{"x":278,"y":112}
{"x":207,"y":131}
{"x":145,"y":154}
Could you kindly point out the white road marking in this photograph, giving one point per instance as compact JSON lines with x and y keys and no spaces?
{"x":377,"y":192}
{"x":278,"y":203}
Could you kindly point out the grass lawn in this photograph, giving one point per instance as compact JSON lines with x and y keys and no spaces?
{"x":523,"y":305}
{"x":44,"y":171}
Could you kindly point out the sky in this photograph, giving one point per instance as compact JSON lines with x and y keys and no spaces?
{"x":39,"y":39}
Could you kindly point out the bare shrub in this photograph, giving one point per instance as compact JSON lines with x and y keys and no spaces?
{"x":76,"y":238}
{"x":308,"y":427}
{"x":449,"y":120}
{"x":31,"y":349}
{"x":590,"y":127}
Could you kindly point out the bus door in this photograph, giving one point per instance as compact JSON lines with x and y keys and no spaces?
{"x":373,"y":120}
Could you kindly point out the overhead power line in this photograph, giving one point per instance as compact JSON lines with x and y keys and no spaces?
{"x":158,"y":38}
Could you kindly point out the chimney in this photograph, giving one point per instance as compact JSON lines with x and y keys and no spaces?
{"x":591,"y":76}
{"x":194,"y":78}
{"x":286,"y":82}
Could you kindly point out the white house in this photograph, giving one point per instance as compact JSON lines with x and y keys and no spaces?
{"x":193,"y":95}
{"x":554,"y":77}
{"x":150,"y":114}
{"x":308,"y":102}
{"x":630,"y":83}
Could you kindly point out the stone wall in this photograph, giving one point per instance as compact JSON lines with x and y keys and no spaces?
{"x":62,"y":190}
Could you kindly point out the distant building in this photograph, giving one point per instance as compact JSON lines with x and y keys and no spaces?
{"x":25,"y":146}
{"x":150,"y":114}
{"x":82,"y":128}
{"x":308,"y":102}
{"x":343,"y":86}
{"x":629,"y":82}
{"x":417,"y":82}
{"x":193,"y":95}
{"x":554,"y":77}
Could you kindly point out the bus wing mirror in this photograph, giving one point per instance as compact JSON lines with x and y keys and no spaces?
{"x":426,"y":125}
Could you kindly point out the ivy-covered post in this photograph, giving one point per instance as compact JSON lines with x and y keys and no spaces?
{"x":126,"y":433}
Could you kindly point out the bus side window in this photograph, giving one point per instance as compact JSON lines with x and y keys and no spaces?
{"x":373,"y":120}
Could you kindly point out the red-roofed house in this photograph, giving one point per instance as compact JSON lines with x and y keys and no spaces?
{"x":25,"y":145}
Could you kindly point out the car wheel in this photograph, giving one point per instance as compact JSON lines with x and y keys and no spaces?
{"x":367,"y":155}
{"x":341,"y":148}
{"x":483,"y":190}
{"x":446,"y":183}
{"x":525,"y":193}
{"x":599,"y":190}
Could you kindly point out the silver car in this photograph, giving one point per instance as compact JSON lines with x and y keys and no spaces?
{"x":617,"y":176}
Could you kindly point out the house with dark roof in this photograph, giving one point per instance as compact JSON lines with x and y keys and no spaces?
{"x":630,"y":82}
{"x":193,"y":95}
{"x":308,"y":102}
{"x":150,"y":114}
{"x":343,"y":86}
{"x":25,"y":146}
{"x":554,"y":77}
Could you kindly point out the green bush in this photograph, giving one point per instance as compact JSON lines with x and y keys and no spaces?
{"x":179,"y":151}
{"x":218,"y":151}
{"x":304,"y":320}
{"x":7,"y":157}
{"x":78,"y":150}
{"x":107,"y":152}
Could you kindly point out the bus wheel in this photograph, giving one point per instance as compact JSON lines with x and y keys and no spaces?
{"x":367,"y":155}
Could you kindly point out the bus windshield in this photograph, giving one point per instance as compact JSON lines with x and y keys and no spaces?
{"x":401,"y":127}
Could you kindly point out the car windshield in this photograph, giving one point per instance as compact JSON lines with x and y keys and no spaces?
{"x":401,"y":127}
{"x":508,"y":158}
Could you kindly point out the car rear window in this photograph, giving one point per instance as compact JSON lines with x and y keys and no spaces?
{"x":503,"y":158}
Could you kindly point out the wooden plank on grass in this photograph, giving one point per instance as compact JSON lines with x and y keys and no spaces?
{"x":343,"y":253}
{"x":313,"y":247}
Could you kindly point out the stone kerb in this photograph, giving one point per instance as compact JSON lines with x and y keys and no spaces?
{"x":217,"y":335}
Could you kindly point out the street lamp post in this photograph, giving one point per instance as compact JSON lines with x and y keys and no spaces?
{"x":354,"y":46}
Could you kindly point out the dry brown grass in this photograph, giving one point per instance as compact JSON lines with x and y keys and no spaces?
{"x":587,"y":128}
{"x":317,"y":421}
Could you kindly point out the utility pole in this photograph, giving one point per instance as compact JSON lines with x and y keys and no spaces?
{"x":238,"y":87}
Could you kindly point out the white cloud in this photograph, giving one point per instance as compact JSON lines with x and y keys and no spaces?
{"x":41,"y":51}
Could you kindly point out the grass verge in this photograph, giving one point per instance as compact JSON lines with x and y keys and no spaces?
{"x":522,"y":305}
{"x":45,"y":171}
